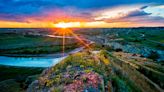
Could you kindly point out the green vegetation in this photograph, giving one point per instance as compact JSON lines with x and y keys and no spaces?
{"x":28,"y":44}
{"x":150,"y":38}
{"x":120,"y":85}
{"x":148,"y":68}
{"x":39,"y":50}
{"x":102,"y":71}
{"x":14,"y":79}
{"x":10,"y":86}
{"x":78,"y":68}
{"x":112,"y":73}
{"x":20,"y":73}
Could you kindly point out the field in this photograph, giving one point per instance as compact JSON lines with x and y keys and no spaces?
{"x":114,"y":62}
{"x":100,"y":71}
{"x":12,"y":43}
{"x":147,"y":42}
{"x":150,"y":38}
{"x":20,"y":44}
{"x":20,"y":77}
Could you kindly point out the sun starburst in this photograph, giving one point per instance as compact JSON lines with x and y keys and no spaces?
{"x":64,"y":29}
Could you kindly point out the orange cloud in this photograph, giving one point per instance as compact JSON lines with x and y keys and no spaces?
{"x":106,"y":18}
{"x":9,"y":24}
{"x":96,"y":24}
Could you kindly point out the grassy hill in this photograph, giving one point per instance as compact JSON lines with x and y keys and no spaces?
{"x":93,"y":71}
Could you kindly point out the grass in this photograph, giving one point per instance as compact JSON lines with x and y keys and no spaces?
{"x":17,"y":79}
{"x":39,"y":50}
{"x":120,"y":85}
{"x":27,"y":44}
{"x":73,"y":65}
{"x":10,"y":86}
{"x":135,"y":78}
{"x":122,"y":76}
{"x":151,"y":70}
{"x":18,"y":73}
{"x":153,"y":35}
{"x":154,"y":75}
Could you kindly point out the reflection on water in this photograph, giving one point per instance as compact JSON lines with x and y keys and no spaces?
{"x":35,"y":61}
{"x":29,"y":62}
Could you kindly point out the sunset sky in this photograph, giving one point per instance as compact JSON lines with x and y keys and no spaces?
{"x":81,"y":13}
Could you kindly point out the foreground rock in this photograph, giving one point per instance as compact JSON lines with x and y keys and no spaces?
{"x":98,"y":72}
{"x":79,"y":72}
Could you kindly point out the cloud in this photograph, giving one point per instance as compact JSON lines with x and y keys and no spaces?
{"x":34,"y":6}
{"x":143,"y":7}
{"x":156,"y":10}
{"x":134,"y":14}
{"x":120,"y":12}
{"x":112,"y":11}
{"x":137,"y":13}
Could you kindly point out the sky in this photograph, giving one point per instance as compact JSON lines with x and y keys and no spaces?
{"x":81,"y":13}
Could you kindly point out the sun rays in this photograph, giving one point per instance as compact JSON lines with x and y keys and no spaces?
{"x":64,"y":30}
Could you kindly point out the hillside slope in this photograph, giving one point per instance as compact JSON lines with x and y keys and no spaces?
{"x":93,"y":71}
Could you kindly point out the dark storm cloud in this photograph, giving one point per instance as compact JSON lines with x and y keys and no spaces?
{"x":143,"y":7}
{"x":137,"y":13}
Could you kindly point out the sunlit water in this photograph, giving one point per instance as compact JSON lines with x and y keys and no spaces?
{"x":34,"y":61}
{"x":29,"y":62}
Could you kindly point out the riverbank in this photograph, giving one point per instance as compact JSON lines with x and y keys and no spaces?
{"x":21,"y":77}
{"x":155,"y":54}
{"x":44,"y":61}
{"x":55,"y":55}
{"x":17,"y":78}
{"x":16,"y":44}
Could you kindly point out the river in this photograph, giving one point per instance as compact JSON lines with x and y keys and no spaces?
{"x":47,"y":61}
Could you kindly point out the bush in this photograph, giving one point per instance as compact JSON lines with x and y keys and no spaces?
{"x":153,"y":55}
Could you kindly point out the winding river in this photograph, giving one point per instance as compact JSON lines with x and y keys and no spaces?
{"x":46,"y":61}
{"x":29,"y":62}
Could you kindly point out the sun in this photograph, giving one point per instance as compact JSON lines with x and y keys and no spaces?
{"x":63,"y":25}
{"x":67,"y":25}
{"x":64,"y":29}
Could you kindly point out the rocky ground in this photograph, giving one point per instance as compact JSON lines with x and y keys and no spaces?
{"x":101,"y":71}
{"x":73,"y":74}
